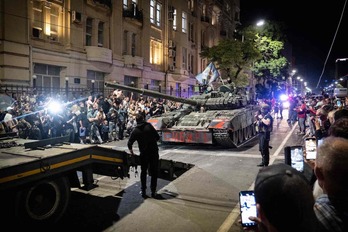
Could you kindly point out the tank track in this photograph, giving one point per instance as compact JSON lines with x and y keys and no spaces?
{"x":225,"y":138}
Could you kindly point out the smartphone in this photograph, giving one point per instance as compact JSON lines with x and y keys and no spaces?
{"x":247,"y":204}
{"x":311,"y":148}
{"x":296,"y":156}
{"x":339,"y":104}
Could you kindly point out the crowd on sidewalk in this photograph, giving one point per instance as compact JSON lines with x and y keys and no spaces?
{"x":93,"y":119}
{"x":285,"y":200}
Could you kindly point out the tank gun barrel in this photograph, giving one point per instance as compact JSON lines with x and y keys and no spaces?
{"x":150,"y":93}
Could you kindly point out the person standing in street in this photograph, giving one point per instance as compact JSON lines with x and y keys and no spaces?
{"x":146,"y":136}
{"x":264,"y":126}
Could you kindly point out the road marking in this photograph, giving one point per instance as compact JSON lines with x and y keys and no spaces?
{"x":232,"y":217}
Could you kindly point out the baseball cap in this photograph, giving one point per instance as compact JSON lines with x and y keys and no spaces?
{"x":284,"y":195}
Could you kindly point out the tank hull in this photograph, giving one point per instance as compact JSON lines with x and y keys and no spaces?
{"x":228,"y":128}
{"x":218,"y":118}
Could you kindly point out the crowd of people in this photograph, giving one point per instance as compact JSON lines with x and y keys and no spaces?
{"x":285,"y":199}
{"x":94,"y":119}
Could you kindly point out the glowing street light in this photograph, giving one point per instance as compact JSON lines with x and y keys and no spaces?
{"x":260,"y":23}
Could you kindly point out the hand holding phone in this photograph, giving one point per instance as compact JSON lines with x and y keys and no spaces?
{"x":311,"y":148}
{"x":296,"y":158}
{"x":247,"y":204}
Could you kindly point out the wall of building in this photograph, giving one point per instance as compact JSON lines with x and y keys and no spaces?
{"x":59,"y":40}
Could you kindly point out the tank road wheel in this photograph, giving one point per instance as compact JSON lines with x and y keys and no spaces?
{"x":250,"y":131}
{"x":245,"y":133}
{"x":43,"y":203}
{"x":240,"y":136}
{"x":235,"y":137}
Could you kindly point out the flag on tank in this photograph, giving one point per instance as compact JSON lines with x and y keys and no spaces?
{"x":209,"y":71}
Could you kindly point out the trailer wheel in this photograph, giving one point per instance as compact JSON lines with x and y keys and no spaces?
{"x":43,"y":203}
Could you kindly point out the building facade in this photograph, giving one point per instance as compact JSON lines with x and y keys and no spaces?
{"x":155,"y":44}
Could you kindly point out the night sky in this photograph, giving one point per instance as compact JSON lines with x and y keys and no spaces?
{"x":310,"y":28}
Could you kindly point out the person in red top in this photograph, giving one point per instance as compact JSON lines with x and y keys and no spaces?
{"x":301,"y":115}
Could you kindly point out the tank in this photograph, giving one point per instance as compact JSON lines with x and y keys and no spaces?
{"x":220,"y":117}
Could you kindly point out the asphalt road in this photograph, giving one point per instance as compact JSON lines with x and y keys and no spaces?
{"x":205,"y":198}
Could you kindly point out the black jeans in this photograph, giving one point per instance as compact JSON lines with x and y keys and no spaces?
{"x":264,"y":138}
{"x":149,"y":163}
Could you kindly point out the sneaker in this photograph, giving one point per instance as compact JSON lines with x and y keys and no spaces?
{"x":143,"y":194}
{"x":157,"y":196}
{"x":261,"y":164}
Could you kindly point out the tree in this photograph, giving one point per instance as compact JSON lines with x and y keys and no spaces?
{"x":232,"y":57}
{"x":259,"y":51}
{"x":272,"y":67}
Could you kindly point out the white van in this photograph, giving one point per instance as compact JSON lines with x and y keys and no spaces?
{"x":340,"y":92}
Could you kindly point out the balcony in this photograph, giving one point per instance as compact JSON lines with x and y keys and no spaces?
{"x":99,"y":54}
{"x":133,"y":13}
{"x":133,"y":61}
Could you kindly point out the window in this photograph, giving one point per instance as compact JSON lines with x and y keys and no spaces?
{"x":89,"y":26}
{"x":215,"y":18}
{"x":155,"y":52}
{"x":125,"y":43}
{"x":158,"y":15}
{"x":184,"y":22}
{"x":191,"y":32}
{"x":46,"y":19}
{"x":203,"y":42}
{"x":204,"y":10}
{"x":152,"y":11}
{"x":100,"y":34}
{"x":191,"y":5}
{"x":97,"y":78}
{"x":54,"y":18}
{"x":37,"y":19}
{"x":184,"y":58}
{"x":174,"y":19}
{"x":155,"y":12}
{"x":133,"y":44}
{"x":125,"y":4}
{"x":48,"y":77}
{"x":190,"y":63}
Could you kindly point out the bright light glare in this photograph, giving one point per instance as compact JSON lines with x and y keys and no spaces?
{"x":260,"y":23}
{"x":55,"y":107}
{"x":286,"y":104}
{"x":283,"y":97}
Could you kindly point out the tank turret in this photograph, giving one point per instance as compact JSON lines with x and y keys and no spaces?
{"x":220,"y":117}
{"x":224,"y":98}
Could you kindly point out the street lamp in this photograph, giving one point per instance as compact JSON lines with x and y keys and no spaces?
{"x":289,"y":85}
{"x":92,"y":87}
{"x":66,"y":87}
{"x":259,"y":23}
{"x":34,"y":81}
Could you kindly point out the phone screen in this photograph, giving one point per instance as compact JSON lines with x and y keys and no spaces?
{"x":339,"y":104}
{"x":311,"y":148}
{"x":297,"y":158}
{"x":247,"y":207}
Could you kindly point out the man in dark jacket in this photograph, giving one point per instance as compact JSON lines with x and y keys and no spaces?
{"x":146,"y":136}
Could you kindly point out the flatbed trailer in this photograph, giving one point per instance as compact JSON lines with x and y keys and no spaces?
{"x":36,"y":177}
